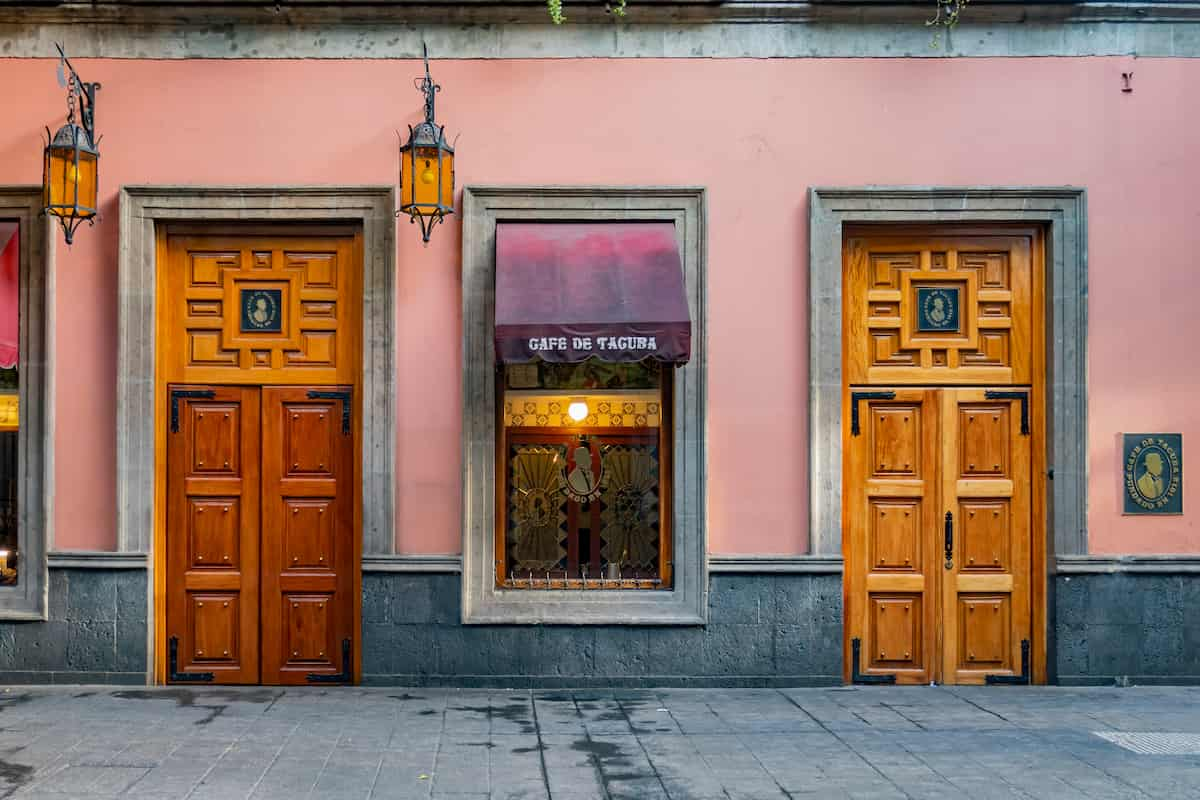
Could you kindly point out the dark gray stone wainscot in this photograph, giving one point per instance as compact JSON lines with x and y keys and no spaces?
{"x":1133,"y":620}
{"x":96,"y":631}
{"x":763,"y":630}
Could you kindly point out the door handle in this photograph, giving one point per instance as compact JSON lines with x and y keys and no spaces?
{"x":949,"y":540}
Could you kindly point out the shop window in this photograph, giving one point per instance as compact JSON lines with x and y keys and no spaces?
{"x":583,"y":415}
{"x":585,"y":476}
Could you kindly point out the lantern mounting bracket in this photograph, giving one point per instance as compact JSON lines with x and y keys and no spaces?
{"x":427,"y":87}
{"x":80,"y":91}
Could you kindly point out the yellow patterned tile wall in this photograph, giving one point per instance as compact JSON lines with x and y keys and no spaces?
{"x":610,"y":410}
{"x":9,"y":416}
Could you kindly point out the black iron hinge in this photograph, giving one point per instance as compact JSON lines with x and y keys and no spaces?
{"x":1014,"y":680}
{"x":336,"y":677}
{"x":173,"y":663}
{"x":178,"y":394}
{"x":338,"y":394}
{"x":855,"y":397}
{"x":992,"y":394}
{"x":858,"y":677}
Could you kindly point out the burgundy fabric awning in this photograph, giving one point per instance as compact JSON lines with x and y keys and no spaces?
{"x":566,"y":292}
{"x":10,"y":297}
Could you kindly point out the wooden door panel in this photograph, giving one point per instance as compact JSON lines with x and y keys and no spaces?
{"x":308,"y":533}
{"x":257,"y":308}
{"x":890,"y":504}
{"x":212,"y":532}
{"x":942,"y":308}
{"x":896,"y":635}
{"x":985,"y":627}
{"x":986,"y":487}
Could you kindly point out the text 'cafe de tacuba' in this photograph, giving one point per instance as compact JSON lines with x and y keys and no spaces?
{"x":713,"y":346}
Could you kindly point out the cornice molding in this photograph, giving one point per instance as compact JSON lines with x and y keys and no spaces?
{"x":468,"y":29}
{"x":92,"y":559}
{"x":450,"y":562}
{"x":776,"y":565}
{"x":209,"y":13}
{"x":1170,"y":564}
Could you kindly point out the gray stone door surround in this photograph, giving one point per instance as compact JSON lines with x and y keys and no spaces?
{"x":142,"y":209}
{"x":35,"y":435}
{"x":687,"y":603}
{"x":1063,"y":210}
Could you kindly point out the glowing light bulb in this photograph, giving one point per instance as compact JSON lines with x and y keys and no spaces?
{"x":428,"y":175}
{"x":578,"y":410}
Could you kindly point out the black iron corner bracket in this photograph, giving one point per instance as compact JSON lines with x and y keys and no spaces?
{"x":177,"y":394}
{"x":339,"y":394}
{"x":992,"y":394}
{"x":856,"y":397}
{"x":858,"y":677}
{"x":173,"y":663}
{"x":337,"y":677}
{"x":1014,"y":680}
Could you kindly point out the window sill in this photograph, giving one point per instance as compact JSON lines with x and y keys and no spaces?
{"x":583,"y":607}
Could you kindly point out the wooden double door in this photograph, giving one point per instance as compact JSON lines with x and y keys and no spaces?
{"x":260,"y":535}
{"x":943,"y":454}
{"x":938,"y":548}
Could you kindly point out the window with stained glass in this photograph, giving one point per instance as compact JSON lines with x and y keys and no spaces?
{"x":585,"y":500}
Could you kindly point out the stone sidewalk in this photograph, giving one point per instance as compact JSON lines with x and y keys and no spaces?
{"x":682,"y":744}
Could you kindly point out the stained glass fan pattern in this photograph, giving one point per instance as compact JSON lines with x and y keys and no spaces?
{"x":537,"y":508}
{"x":629,"y":512}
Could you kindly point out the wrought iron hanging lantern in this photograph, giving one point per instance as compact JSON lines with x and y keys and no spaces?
{"x":70,"y":166}
{"x":426,"y":166}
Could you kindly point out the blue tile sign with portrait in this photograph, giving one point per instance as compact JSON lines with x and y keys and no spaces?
{"x":1152,"y":464}
{"x":937,"y":309}
{"x":261,"y":310}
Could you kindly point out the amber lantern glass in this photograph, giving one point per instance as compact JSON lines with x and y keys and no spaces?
{"x":426,"y":177}
{"x":70,"y":178}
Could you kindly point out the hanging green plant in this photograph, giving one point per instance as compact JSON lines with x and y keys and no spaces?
{"x":616,"y":8}
{"x":946,"y":18}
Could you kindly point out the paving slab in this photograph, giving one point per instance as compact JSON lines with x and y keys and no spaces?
{"x":917,"y":743}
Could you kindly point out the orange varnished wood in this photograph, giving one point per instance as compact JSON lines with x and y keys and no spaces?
{"x":212,"y":534}
{"x":993,"y":270}
{"x":985,"y":484}
{"x":308,"y":531}
{"x":319,"y":280}
{"x":985,"y":472}
{"x":890,"y":566}
{"x":318,"y":270}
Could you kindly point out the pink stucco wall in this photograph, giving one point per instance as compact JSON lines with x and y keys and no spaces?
{"x":757,"y":133}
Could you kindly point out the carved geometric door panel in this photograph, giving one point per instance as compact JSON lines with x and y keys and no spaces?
{"x":262,"y":309}
{"x":308,"y":555}
{"x":212,"y":542}
{"x":986,"y":485}
{"x":261,"y":535}
{"x":948,"y":308}
{"x":890,"y":565}
{"x":938,"y":525}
